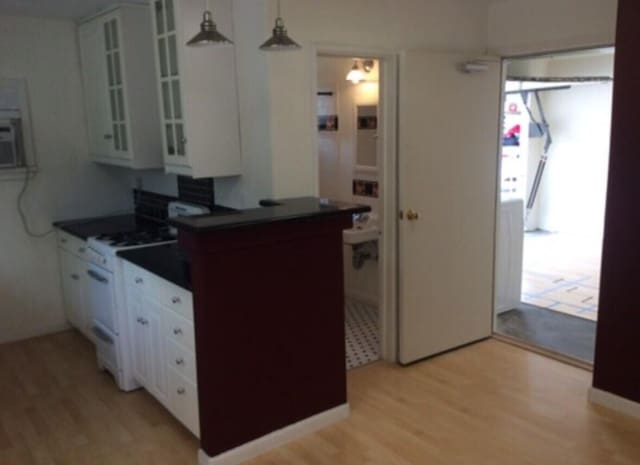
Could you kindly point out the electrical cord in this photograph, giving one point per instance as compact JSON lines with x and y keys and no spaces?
{"x":21,"y":212}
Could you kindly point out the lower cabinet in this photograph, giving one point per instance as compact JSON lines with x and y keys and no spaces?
{"x":73,"y":272}
{"x":162,"y":344}
{"x":149,"y":365}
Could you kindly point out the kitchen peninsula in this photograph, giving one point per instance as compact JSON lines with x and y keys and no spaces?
{"x":268,"y":299}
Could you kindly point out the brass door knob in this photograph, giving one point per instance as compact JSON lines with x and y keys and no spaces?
{"x":412,"y":216}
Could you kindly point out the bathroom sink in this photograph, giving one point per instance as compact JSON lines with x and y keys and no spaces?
{"x":359,"y":235}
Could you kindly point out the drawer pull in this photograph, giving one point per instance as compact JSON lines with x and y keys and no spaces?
{"x":177,"y":331}
{"x":139,"y":280}
{"x":181,"y":391}
{"x":176,"y":300}
{"x":179,"y":361}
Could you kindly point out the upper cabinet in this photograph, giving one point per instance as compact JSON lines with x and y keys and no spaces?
{"x":123,"y":114}
{"x":197,"y":91}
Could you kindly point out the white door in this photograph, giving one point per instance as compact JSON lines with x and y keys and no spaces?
{"x":448,"y":135}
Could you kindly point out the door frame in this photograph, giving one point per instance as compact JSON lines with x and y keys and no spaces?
{"x":505,"y":59}
{"x":388,"y":253}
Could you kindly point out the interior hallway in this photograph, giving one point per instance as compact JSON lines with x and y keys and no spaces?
{"x":490,"y":403}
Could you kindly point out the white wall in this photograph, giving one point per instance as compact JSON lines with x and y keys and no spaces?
{"x":68,"y":185}
{"x":367,"y":24}
{"x":573,"y":193}
{"x":519,"y":27}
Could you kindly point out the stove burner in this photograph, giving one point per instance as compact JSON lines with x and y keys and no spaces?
{"x":134,"y":238}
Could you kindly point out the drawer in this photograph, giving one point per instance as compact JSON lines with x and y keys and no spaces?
{"x":182,"y":360}
{"x":72,"y":244}
{"x":137,"y":278}
{"x":180,"y":330}
{"x":183,"y":401}
{"x":177,"y":299}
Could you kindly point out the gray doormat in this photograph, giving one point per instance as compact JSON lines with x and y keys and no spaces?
{"x":566,"y":334}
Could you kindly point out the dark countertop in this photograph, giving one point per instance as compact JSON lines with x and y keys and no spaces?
{"x":281,"y":210}
{"x":169,"y":262}
{"x":85,"y":228}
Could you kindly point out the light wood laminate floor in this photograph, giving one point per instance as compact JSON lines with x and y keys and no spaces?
{"x":490,"y":403}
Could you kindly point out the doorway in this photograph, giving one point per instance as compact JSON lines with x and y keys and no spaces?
{"x":347,"y":107}
{"x":552,"y":187}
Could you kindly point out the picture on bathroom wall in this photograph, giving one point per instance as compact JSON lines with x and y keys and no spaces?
{"x":327,"y":110}
{"x":327,"y":122}
{"x":363,"y":188}
{"x":367,"y":122}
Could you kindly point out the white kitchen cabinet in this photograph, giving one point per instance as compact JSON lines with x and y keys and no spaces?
{"x":116,"y":49}
{"x":163,"y":342}
{"x":73,"y":271}
{"x":198,"y":91}
{"x":138,"y":336}
{"x":148,"y":347}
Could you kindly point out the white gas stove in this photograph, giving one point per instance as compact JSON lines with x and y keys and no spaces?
{"x":107,"y":297}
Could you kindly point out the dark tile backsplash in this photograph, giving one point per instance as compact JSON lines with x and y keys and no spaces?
{"x":198,"y":191}
{"x":151,"y":206}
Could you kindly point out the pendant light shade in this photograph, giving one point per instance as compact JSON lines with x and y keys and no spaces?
{"x":279,"y":40}
{"x":208,"y":34}
{"x":356,"y":75}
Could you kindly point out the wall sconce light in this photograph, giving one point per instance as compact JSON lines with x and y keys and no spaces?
{"x":357,"y":75}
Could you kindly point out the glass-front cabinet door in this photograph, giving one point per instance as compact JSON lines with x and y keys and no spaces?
{"x":118,"y":135}
{"x":169,"y":78}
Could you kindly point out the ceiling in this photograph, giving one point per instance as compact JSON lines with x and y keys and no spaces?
{"x":64,"y":9}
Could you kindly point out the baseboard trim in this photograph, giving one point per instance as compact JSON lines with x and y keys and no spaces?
{"x":614,"y":402}
{"x":277,"y":438}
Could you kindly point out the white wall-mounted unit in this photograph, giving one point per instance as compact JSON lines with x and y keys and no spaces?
{"x":119,"y":84}
{"x":509,"y":255}
{"x":197,"y":91}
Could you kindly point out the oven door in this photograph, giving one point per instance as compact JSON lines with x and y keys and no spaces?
{"x":102,"y":297}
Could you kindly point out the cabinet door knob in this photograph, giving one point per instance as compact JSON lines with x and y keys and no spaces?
{"x":139,"y":280}
{"x":108,"y":136}
{"x":177,"y":331}
{"x":181,"y":391}
{"x":82,"y":250}
{"x":176,"y":300}
{"x":139,"y":320}
{"x":179,"y":361}
{"x":64,"y":240}
{"x":75,"y":277}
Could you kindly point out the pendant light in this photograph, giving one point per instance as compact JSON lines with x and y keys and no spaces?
{"x":208,"y":34}
{"x":356,"y":75}
{"x":280,"y":40}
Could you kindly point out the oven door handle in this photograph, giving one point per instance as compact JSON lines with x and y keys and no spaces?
{"x":103,"y":336}
{"x":97,"y":277}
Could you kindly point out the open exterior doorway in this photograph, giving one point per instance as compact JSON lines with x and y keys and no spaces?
{"x":552,"y":187}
